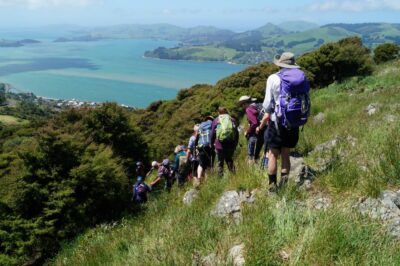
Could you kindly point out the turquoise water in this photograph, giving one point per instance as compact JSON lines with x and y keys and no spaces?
{"x":109,"y":70}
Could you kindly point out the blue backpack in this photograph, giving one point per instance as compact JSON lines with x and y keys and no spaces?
{"x":293,"y":106}
{"x":205,"y":134}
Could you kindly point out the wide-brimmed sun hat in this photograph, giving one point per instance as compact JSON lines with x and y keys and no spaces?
{"x":244,"y":99}
{"x":154,"y":164}
{"x":285,"y":60}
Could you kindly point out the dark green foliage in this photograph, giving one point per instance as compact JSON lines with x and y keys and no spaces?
{"x":337,"y":61}
{"x":110,"y":125}
{"x":68,"y":176}
{"x":386,"y":52}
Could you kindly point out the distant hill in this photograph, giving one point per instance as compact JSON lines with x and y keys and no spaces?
{"x":191,"y":36}
{"x":261,"y":44}
{"x":297,"y":26}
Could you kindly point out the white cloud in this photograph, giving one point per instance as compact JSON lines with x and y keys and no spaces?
{"x":36,"y":4}
{"x":355,"y":5}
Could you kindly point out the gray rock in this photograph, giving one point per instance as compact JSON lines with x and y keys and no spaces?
{"x":326,"y":151}
{"x":371,"y":109}
{"x":326,"y":146}
{"x":210,"y":260}
{"x":230,"y":204}
{"x":390,"y":118}
{"x":236,"y":255}
{"x":190,"y":196}
{"x":385,"y":208}
{"x":319,"y":118}
{"x":301,"y":173}
{"x":322,"y":203}
{"x":228,"y":207}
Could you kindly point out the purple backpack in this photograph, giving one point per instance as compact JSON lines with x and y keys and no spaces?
{"x":293,"y":106}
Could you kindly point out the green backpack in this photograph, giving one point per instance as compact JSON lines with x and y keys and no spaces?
{"x":225,"y":130}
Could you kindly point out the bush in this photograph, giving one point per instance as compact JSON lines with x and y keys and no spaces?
{"x":386,"y":52}
{"x":336,"y":61}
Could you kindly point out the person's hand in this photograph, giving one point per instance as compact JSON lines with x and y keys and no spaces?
{"x":258,"y":130}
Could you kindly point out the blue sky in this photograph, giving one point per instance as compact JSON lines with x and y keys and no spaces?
{"x":232,"y":14}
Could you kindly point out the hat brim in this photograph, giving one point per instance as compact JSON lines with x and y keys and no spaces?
{"x":279,"y":64}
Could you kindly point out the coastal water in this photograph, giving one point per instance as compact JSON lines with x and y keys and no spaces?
{"x":107,"y":70}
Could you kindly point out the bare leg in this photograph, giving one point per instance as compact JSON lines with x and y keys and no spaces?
{"x":285,"y":153}
{"x":273,"y":155}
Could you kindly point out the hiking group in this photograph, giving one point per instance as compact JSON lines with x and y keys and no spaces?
{"x":272,"y":125}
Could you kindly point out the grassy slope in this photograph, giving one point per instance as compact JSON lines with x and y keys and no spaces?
{"x":169,"y":233}
{"x":12,"y":120}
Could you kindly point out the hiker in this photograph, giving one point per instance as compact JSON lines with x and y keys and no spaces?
{"x":140,"y":190}
{"x":181,"y":164}
{"x":255,"y":141}
{"x":204,"y":147}
{"x":192,"y":152}
{"x":287,"y":105}
{"x":225,"y":137}
{"x":163,"y":172}
{"x":140,"y":171}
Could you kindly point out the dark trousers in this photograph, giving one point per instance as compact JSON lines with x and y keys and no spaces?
{"x":225,"y":155}
{"x":254,"y":146}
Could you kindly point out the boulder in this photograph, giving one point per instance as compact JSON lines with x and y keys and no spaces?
{"x":236,"y":255}
{"x":319,"y":118}
{"x":190,"y":196}
{"x":229,"y":206}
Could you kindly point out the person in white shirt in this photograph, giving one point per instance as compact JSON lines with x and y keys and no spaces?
{"x":278,"y":138}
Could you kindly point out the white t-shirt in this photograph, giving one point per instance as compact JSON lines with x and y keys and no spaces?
{"x":272,"y":93}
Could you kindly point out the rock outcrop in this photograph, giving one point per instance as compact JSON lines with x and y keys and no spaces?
{"x":386,"y":208}
{"x":230,"y":204}
{"x":190,"y":196}
{"x":301,"y":173}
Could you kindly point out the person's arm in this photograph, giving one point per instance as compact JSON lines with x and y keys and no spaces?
{"x":155,"y":181}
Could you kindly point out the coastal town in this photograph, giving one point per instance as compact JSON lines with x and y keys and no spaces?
{"x":10,"y":94}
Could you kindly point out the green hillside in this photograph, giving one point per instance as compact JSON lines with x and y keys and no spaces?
{"x":297,"y":26}
{"x":291,"y":227}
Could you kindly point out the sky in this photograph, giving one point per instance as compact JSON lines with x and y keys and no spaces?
{"x":230,"y":14}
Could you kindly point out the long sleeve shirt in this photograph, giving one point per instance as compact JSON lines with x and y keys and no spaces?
{"x":272,"y":94}
{"x":251,"y":113}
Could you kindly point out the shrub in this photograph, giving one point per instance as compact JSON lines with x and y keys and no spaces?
{"x":336,"y":61}
{"x":386,"y":52}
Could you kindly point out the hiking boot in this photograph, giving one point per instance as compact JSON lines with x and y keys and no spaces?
{"x":272,"y":189}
